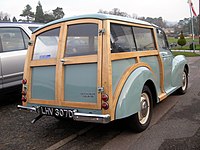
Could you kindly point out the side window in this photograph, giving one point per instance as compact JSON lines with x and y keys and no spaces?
{"x":121,"y":39}
{"x":82,"y":39}
{"x":144,"y":38}
{"x":161,"y":39}
{"x":26,"y":39}
{"x":46,"y":45}
{"x":13,"y":39}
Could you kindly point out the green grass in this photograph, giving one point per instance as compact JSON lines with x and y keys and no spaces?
{"x":186,"y":54}
{"x":186,"y":47}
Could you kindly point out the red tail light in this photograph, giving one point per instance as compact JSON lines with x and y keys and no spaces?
{"x":104,"y":97}
{"x":105,"y":105}
{"x":24,"y":99}
{"x":24,"y":81}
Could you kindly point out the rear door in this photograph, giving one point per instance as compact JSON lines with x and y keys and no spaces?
{"x":69,"y":74}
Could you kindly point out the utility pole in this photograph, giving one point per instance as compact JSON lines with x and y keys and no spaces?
{"x":199,"y":21}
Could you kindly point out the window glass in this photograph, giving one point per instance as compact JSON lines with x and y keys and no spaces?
{"x":161,"y":39}
{"x":82,"y":39}
{"x":46,"y":44}
{"x":32,"y":28}
{"x":144,"y":39}
{"x":26,"y":39}
{"x":11,"y":39}
{"x":121,"y":39}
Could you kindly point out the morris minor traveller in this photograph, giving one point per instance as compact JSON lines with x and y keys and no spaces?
{"x":100,"y":68}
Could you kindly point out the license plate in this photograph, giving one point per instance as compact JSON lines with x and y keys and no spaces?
{"x":58,"y":112}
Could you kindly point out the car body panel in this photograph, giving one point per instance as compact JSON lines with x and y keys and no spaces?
{"x":109,"y":80}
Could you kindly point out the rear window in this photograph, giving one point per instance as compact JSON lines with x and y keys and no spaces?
{"x":46,"y":44}
{"x":82,"y":39}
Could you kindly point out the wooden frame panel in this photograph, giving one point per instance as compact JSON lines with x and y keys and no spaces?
{"x":82,"y":60}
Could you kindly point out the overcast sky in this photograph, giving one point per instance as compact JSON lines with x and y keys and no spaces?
{"x":170,"y":10}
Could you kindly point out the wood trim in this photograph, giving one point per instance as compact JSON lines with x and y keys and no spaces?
{"x":47,"y":28}
{"x":162,"y":96}
{"x":125,"y":55}
{"x":107,"y":67}
{"x":80,"y":59}
{"x":48,"y":62}
{"x":122,"y":82}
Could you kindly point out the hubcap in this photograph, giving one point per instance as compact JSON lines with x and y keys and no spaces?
{"x":145,"y":108}
{"x":184,"y":86}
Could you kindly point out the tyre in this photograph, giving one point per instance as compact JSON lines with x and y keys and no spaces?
{"x":141,"y":120}
{"x":183,"y":89}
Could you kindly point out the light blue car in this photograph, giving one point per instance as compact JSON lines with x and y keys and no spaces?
{"x":100,"y":68}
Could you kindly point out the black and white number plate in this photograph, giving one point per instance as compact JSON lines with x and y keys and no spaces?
{"x":58,"y":112}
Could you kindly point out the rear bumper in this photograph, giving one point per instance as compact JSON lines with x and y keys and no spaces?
{"x":95,"y":118}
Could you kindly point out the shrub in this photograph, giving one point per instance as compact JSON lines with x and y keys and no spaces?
{"x":181,"y":40}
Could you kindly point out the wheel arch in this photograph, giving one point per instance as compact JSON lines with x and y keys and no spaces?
{"x":152,"y":88}
{"x":128,"y":102}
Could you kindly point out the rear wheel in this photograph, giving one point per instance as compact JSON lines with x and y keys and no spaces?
{"x":141,"y":120}
{"x":183,"y":89}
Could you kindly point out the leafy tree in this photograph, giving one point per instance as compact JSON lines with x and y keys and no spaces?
{"x":182,"y":40}
{"x":58,"y":13}
{"x":14,"y":19}
{"x":48,"y":17}
{"x":115,"y":11}
{"x":27,"y":13}
{"x":6,"y":19}
{"x":39,"y":14}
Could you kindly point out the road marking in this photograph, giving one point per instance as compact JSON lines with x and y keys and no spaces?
{"x":69,"y":139}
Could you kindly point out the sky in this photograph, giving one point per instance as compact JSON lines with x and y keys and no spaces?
{"x":169,"y":10}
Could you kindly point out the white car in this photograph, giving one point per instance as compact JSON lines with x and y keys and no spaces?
{"x":14,"y":38}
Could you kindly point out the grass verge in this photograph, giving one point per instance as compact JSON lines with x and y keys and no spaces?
{"x":186,"y":54}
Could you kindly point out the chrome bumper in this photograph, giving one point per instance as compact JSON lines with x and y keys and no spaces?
{"x":95,"y":118}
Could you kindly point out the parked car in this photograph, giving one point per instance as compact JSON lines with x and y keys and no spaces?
{"x":100,"y":68}
{"x":14,"y":38}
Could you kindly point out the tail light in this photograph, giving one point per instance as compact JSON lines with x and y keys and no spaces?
{"x":24,"y":91}
{"x":104,"y":97}
{"x":24,"y":99}
{"x":24,"y":81}
{"x":105,"y":105}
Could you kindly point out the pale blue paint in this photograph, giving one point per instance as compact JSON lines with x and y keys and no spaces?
{"x":81,"y":83}
{"x":43,"y":83}
{"x":118,"y":69}
{"x":152,"y":61}
{"x":129,"y":100}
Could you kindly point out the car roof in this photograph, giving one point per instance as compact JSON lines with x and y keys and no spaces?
{"x":96,"y":16}
{"x":24,"y":26}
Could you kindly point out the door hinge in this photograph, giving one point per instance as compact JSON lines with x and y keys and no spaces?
{"x":100,"y":89}
{"x":102,"y":31}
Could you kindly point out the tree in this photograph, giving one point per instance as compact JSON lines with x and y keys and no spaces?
{"x":39,"y":14}
{"x":115,"y":11}
{"x":58,"y":13}
{"x":14,"y":19}
{"x":48,"y":17}
{"x":182,"y":40}
{"x":27,"y":13}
